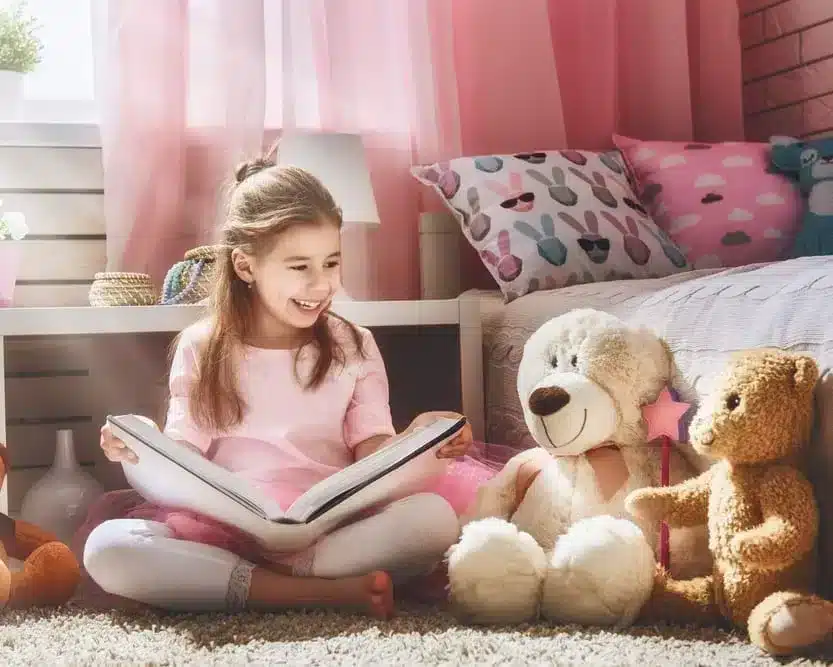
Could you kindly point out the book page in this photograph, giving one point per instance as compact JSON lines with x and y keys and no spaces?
{"x":171,"y":474}
{"x":138,"y":435}
{"x":400,"y":451}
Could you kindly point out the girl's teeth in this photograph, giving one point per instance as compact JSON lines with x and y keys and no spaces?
{"x":309,"y":305}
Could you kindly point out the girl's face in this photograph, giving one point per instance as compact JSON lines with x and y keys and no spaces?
{"x":295,"y":281}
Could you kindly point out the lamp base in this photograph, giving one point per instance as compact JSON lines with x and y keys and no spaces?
{"x":358,"y":273}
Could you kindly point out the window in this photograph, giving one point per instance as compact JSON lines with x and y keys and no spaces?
{"x":62,"y":87}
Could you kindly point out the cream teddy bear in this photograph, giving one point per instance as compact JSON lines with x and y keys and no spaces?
{"x":549,"y":534}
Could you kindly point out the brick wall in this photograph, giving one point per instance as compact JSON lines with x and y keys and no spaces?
{"x":787,"y":67}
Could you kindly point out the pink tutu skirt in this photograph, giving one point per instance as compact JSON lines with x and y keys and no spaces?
{"x":458,"y":486}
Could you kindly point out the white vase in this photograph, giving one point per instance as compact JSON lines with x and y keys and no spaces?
{"x":11,"y":94}
{"x":59,"y":500}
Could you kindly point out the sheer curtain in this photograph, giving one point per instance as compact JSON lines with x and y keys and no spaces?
{"x":189,"y":87}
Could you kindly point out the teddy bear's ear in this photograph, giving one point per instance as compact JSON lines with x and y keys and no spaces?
{"x":655,"y":357}
{"x":667,"y":348}
{"x":785,"y":154}
{"x":669,"y":361}
{"x":806,"y":373}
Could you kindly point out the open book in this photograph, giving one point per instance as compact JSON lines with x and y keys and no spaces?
{"x":173,"y":475}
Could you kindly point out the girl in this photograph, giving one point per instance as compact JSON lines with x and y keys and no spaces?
{"x":283,"y":392}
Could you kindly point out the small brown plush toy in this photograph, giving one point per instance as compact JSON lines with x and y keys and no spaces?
{"x":761,"y":511}
{"x":50,"y":573}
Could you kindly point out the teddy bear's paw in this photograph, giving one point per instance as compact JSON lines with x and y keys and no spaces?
{"x":601,"y":573}
{"x":645,"y":504}
{"x":495,"y":573}
{"x":755,"y":553}
{"x":50,"y":577}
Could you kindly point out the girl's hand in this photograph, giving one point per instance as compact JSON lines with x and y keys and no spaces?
{"x":114,"y":448}
{"x":457,"y":446}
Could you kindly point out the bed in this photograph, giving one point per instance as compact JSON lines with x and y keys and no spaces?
{"x":704,"y":315}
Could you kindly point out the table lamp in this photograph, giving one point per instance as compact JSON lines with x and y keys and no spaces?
{"x":338,"y":161}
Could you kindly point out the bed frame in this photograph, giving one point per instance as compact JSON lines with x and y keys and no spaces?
{"x":439,"y":252}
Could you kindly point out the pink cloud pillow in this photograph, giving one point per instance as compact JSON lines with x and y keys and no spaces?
{"x":718,"y":202}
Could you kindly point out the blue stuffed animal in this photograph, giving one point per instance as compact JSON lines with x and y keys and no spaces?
{"x":811,"y":164}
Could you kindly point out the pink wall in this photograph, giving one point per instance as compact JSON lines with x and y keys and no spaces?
{"x":787,"y":67}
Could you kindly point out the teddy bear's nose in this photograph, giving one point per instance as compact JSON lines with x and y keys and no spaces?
{"x":548,"y":400}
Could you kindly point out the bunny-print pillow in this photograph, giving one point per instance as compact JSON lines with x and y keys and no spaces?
{"x":550,"y":219}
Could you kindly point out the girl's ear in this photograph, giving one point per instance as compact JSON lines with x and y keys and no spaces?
{"x":242,"y":264}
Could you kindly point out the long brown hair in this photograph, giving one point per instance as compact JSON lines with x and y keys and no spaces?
{"x":265,"y":200}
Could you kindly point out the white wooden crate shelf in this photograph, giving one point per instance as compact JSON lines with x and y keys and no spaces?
{"x":84,"y":320}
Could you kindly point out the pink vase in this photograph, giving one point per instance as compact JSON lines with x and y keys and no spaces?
{"x":10,"y":258}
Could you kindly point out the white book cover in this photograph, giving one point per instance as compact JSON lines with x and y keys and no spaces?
{"x":172,"y":475}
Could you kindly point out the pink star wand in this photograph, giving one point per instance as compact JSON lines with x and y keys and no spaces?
{"x":663,"y":420}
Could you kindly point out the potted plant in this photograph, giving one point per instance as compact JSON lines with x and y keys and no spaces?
{"x":20,"y":53}
{"x":13,"y":229}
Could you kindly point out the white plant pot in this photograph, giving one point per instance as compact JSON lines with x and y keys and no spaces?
{"x":11,"y":94}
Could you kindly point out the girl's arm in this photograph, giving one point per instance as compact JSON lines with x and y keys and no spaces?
{"x":370,"y":445}
{"x":178,"y":422}
{"x":368,"y":424}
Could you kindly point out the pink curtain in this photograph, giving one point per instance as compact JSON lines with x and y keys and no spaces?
{"x":182,"y":100}
{"x":190,"y":87}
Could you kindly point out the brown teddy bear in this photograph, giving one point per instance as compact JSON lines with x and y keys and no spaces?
{"x":50,"y":573}
{"x":760,"y":509}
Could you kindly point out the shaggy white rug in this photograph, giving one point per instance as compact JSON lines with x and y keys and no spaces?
{"x":417,"y":636}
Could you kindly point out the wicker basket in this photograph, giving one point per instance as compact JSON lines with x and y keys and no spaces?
{"x":122,"y":289}
{"x":190,"y":280}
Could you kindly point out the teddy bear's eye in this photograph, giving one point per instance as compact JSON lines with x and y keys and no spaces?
{"x":574,"y":361}
{"x":809,"y":156}
{"x":554,"y":362}
{"x":732,"y":401}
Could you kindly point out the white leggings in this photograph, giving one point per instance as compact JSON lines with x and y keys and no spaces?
{"x":142,"y":561}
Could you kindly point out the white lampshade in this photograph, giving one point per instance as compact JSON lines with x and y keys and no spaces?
{"x":339,"y":162}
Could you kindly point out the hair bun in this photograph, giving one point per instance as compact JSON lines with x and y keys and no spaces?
{"x":251,"y":167}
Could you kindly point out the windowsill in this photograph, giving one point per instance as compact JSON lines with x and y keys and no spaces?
{"x":77,"y":135}
{"x":53,"y":135}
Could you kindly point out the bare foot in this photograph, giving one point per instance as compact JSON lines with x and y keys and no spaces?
{"x":371,"y":593}
{"x":378,"y":588}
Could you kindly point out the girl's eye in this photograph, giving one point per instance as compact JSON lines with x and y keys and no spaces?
{"x":298,"y":268}
{"x":332,"y":265}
